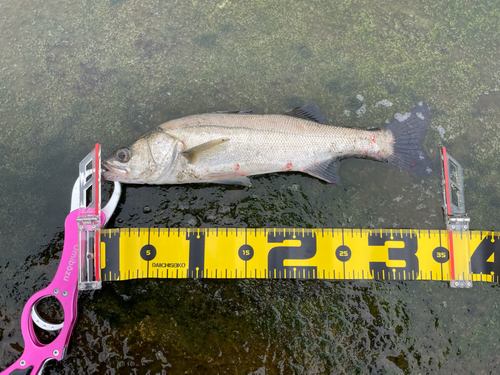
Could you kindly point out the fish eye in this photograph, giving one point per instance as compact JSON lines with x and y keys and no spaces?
{"x":123,"y":154}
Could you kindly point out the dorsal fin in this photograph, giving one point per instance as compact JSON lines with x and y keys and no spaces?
{"x":248,"y":112}
{"x":309,"y":112}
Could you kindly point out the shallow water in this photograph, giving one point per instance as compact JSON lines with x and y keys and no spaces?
{"x":76,"y":73}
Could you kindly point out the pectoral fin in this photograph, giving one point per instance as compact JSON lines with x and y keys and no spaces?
{"x":327,"y":171}
{"x":193,"y":153}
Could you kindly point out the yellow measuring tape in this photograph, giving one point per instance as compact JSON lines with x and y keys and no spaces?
{"x":335,"y":254}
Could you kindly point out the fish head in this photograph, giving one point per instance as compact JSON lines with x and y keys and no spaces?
{"x":143,"y":162}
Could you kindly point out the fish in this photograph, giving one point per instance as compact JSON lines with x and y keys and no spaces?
{"x":227,"y":147}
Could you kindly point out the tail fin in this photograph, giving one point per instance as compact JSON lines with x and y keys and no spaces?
{"x":409,"y":133}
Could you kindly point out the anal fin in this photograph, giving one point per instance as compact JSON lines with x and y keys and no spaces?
{"x":243,"y":181}
{"x":327,"y":171}
{"x":228,"y":179}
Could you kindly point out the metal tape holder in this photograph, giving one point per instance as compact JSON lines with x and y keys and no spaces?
{"x":454,"y":204}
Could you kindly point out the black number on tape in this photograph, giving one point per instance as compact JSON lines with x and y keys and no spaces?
{"x":278,"y":254}
{"x":407,"y":254}
{"x":196,"y":254}
{"x":484,"y":252}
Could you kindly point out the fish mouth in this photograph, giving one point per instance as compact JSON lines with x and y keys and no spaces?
{"x":111,"y":173}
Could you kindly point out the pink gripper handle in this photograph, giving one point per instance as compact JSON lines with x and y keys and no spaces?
{"x":64,"y":287}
